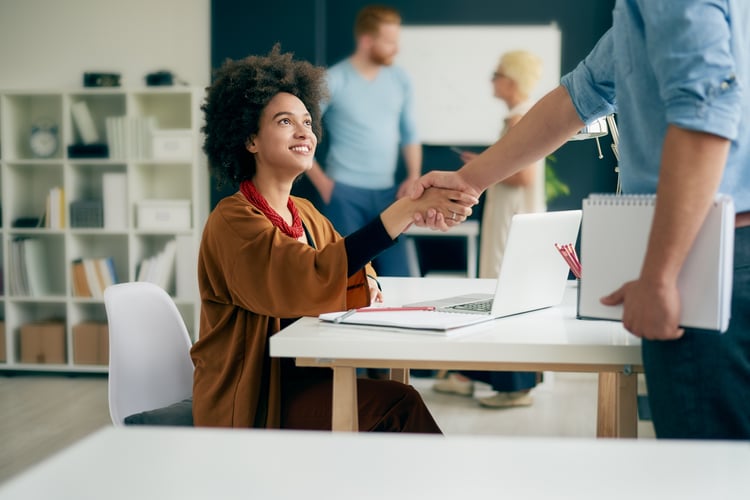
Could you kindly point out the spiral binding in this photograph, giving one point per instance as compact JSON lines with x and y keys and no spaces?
{"x":638,"y":200}
{"x":604,"y":199}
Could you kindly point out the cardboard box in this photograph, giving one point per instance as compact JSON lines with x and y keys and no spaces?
{"x":3,"y":352}
{"x":91,"y":343}
{"x":171,"y":215}
{"x":172,"y":145}
{"x":43,"y":342}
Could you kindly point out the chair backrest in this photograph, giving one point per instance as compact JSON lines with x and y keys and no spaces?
{"x":149,"y":358}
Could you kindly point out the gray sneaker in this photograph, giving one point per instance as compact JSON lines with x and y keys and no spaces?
{"x":507,"y":400}
{"x":453,"y":385}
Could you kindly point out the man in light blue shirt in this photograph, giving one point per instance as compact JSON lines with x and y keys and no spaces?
{"x":678,"y":75}
{"x":369,"y":120}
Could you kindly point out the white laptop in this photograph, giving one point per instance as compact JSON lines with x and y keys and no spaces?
{"x":532,"y":276}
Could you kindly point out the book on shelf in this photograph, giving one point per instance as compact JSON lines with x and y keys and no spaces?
{"x":84,"y":122}
{"x":80,"y":282}
{"x":92,"y":275}
{"x":105,"y":268}
{"x":166,"y":274}
{"x":92,"y":279}
{"x":129,"y":136}
{"x":35,"y":267}
{"x":186,"y":265}
{"x":101,"y":275}
{"x":55,"y":213}
{"x":115,"y":200}
{"x":109,"y":262}
{"x":29,"y":270}
{"x":160,"y":268}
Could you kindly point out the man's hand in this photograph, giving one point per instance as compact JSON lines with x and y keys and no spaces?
{"x":649,"y":311}
{"x":405,"y":188}
{"x":450,"y":180}
{"x":442,"y":179}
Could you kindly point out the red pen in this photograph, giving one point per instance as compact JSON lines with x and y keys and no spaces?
{"x":393,"y":309}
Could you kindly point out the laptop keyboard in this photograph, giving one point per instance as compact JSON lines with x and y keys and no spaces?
{"x":483,"y":306}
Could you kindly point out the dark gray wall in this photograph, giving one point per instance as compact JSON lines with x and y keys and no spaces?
{"x":320,"y":31}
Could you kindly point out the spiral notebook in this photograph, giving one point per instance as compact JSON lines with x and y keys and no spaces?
{"x":614,"y":236}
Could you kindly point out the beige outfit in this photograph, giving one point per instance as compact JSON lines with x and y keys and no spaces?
{"x":500,"y":204}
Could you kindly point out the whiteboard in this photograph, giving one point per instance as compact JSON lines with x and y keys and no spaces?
{"x":451,"y":68}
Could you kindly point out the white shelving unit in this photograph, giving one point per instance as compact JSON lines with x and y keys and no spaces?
{"x":26,"y":180}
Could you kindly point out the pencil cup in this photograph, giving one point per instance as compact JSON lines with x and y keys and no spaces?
{"x":578,"y":298}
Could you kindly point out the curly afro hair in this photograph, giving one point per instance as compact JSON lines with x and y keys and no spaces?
{"x":236,"y":99}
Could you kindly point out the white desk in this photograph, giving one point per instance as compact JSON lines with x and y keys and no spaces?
{"x":468,"y":230}
{"x":186,"y":464}
{"x":547,"y":340}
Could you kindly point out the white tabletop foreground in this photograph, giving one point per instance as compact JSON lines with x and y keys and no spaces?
{"x":193,"y":463}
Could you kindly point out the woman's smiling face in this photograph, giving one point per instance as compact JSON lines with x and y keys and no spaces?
{"x":285,"y":138}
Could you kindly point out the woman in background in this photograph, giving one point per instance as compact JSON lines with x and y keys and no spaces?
{"x":513,"y":81}
{"x":267,"y":258}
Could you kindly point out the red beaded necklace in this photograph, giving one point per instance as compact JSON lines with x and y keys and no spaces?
{"x":253,"y":196}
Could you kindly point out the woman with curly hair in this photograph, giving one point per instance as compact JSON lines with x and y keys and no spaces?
{"x":267,"y":258}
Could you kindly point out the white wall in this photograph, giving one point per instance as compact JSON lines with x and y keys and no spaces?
{"x":451,"y":68}
{"x":51,"y":43}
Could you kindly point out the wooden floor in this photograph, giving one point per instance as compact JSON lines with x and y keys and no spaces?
{"x":41,"y":414}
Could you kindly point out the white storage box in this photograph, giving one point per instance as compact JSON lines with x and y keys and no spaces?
{"x":172,"y":145}
{"x":172,"y":215}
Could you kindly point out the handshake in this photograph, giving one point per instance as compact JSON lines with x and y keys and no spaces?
{"x":443,"y":185}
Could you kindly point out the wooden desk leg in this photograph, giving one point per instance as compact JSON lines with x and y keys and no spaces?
{"x":400,"y":375}
{"x":345,"y":414}
{"x":617,"y":412}
{"x":628,"y":404}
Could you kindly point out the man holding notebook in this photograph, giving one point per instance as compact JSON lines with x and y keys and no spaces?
{"x":677,"y":74}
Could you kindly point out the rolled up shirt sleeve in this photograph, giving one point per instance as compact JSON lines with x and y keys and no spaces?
{"x":591,"y":84}
{"x":694,"y":64}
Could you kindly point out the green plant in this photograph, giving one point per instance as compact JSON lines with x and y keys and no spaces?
{"x":553,"y":186}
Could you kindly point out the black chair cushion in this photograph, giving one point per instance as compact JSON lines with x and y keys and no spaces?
{"x":180,"y":413}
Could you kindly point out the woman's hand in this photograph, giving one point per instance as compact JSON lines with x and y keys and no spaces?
{"x":375,"y":294}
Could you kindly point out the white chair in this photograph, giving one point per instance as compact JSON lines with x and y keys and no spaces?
{"x":149,"y":359}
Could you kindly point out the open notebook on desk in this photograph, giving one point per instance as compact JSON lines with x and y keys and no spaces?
{"x":532,"y":276}
{"x":431,"y":321}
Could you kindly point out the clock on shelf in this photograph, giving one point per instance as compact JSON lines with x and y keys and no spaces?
{"x":43,"y":139}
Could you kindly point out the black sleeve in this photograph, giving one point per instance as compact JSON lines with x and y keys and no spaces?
{"x":365,"y":244}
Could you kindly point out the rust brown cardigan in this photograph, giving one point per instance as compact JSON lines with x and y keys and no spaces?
{"x":250,"y":274}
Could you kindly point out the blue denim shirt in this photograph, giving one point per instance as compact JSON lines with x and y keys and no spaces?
{"x":679,"y":62}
